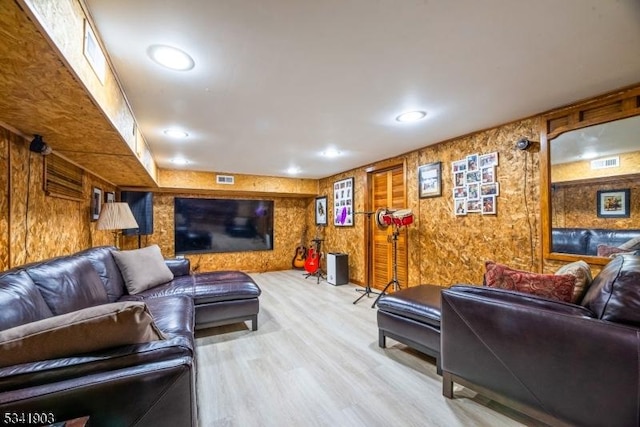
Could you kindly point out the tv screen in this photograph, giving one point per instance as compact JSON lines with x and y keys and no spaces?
{"x":222,"y":225}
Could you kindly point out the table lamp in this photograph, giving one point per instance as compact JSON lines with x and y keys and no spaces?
{"x":116,"y":216}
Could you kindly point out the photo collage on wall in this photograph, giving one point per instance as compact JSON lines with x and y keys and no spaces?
{"x":343,"y":203}
{"x":475,"y":187}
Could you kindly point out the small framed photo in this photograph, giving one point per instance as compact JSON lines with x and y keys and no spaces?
{"x":460,"y":192}
{"x":474,"y":206}
{"x":96,"y":203}
{"x":109,"y":197}
{"x":492,"y":189}
{"x":430,"y":180}
{"x":459,"y":166}
{"x":343,"y":203}
{"x":321,"y":210}
{"x":473,"y":191}
{"x":487,"y":160}
{"x":460,"y":206}
{"x":488,"y":205}
{"x":459,"y":179}
{"x":473,"y":177}
{"x":613,"y":203}
{"x":472,"y":163}
{"x":488,"y":174}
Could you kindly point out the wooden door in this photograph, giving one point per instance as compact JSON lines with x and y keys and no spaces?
{"x":387,"y":191}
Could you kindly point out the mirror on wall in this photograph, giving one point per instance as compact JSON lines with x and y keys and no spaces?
{"x":590,"y":178}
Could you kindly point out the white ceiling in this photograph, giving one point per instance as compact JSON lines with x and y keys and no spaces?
{"x":278,"y":81}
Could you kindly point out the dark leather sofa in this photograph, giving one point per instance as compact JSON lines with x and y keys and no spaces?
{"x":585,"y":241}
{"x":147,"y":384}
{"x":565,"y":364}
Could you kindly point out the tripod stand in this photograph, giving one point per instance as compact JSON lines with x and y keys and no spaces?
{"x":367,"y":289}
{"x":312,"y":264}
{"x":394,"y":280}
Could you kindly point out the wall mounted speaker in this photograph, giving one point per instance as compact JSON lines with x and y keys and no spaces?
{"x":141,"y":204}
{"x":523,"y":144}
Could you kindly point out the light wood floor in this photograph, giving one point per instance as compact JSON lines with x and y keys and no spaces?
{"x":315,"y":361}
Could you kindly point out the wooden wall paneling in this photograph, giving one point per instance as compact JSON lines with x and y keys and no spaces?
{"x":19,"y":154}
{"x":5,"y":194}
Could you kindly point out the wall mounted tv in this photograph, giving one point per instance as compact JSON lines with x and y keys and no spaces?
{"x":222,"y":225}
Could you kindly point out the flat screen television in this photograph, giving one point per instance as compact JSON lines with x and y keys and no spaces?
{"x":222,"y":225}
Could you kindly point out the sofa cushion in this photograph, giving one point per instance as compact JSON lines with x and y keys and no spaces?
{"x":582,"y":272}
{"x":83,"y":331}
{"x":551,"y":286}
{"x":20,"y":300}
{"x":607,"y":251}
{"x":614,"y":294}
{"x":142,"y":268}
{"x":68,"y":284}
{"x":106,"y":267}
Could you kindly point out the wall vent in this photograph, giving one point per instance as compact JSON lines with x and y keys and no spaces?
{"x":608,"y":162}
{"x":225,"y":179}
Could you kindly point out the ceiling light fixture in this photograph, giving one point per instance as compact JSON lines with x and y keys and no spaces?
{"x":411,"y":116}
{"x":331,"y":153}
{"x":180,"y":161}
{"x":176,"y":133}
{"x":293,"y":170}
{"x":171,"y":57}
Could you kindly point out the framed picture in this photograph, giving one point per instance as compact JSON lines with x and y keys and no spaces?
{"x":460,"y":206}
{"x":492,"y":189}
{"x":96,"y":203}
{"x":459,"y":179}
{"x":430,"y":180}
{"x":343,"y":203}
{"x":613,"y":203}
{"x":472,"y":163}
{"x":109,"y":197}
{"x":488,"y":205}
{"x":321,"y":210}
{"x":488,"y":160}
{"x":459,"y":166}
{"x":488,"y":175}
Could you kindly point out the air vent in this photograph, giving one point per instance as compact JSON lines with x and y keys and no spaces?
{"x":608,"y":162}
{"x":224,"y":179}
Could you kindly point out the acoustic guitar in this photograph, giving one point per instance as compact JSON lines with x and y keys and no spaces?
{"x":301,"y":252}
{"x":312,"y":264}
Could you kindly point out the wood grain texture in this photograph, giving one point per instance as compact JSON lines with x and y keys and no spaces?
{"x":40,"y":95}
{"x":445,"y":249}
{"x":40,"y":226}
{"x":315,"y":361}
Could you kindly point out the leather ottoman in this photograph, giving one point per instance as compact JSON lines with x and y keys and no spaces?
{"x":412,"y":316}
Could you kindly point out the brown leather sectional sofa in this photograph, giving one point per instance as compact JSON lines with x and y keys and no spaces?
{"x":144,"y":384}
{"x":565,"y":364}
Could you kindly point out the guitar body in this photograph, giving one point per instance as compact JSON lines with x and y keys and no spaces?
{"x":301,"y":252}
{"x":312,"y":262}
{"x":299,"y":258}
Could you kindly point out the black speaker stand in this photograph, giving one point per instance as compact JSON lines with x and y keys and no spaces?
{"x":365,"y":292}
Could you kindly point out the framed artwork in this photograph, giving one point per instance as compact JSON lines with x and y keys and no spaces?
{"x":460,"y":206}
{"x":459,"y":166}
{"x":430,"y":180}
{"x":488,"y":160}
{"x":109,"y":197}
{"x":96,"y":203}
{"x":343,"y":203}
{"x":321,"y":210}
{"x":492,"y":189}
{"x":472,"y":163}
{"x":488,"y":205}
{"x":488,"y":174}
{"x":613,"y":203}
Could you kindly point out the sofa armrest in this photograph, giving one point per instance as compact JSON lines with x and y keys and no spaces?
{"x":179,"y":266}
{"x":573,"y":368}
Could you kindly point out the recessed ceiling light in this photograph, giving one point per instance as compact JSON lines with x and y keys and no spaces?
{"x":180,"y":161}
{"x":293,"y":170}
{"x":411,"y":116}
{"x":171,"y":57}
{"x":331,"y":152}
{"x":176,"y":133}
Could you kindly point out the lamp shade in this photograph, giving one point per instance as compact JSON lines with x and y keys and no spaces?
{"x":116,"y":216}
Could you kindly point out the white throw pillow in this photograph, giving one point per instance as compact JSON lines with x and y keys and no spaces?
{"x":582,"y":272}
{"x":142,"y":268}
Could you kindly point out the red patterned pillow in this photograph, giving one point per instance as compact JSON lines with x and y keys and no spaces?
{"x":552,"y":286}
